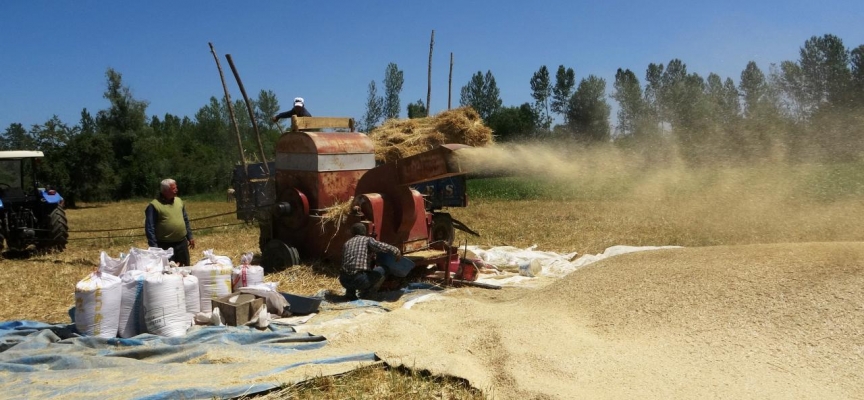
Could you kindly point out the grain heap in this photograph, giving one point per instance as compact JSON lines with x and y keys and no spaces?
{"x":400,"y":138}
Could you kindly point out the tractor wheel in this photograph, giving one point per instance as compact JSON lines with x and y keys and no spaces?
{"x":58,"y":234}
{"x":277,"y":256}
{"x":442,"y":229}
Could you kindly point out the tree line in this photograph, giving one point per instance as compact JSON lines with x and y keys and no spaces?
{"x":802,"y":110}
{"x":811,"y":108}
{"x":807,"y":109}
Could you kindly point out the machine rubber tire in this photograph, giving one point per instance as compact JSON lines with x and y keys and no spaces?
{"x":442,"y":229}
{"x":277,"y":256}
{"x":58,"y":234}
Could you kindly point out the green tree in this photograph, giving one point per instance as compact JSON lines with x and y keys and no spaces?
{"x":266,"y":106}
{"x":762,"y":125}
{"x":631,"y":104}
{"x":16,"y":138}
{"x":856,"y":59}
{"x":89,"y":158}
{"x":393,"y":80}
{"x":588,"y":111}
{"x":514,"y":123}
{"x":374,"y":109}
{"x":87,"y":124}
{"x":417,"y":110}
{"x":724,"y":99}
{"x":482,"y":94}
{"x":753,"y":87}
{"x":821,"y":77}
{"x":122,"y":122}
{"x":653,"y":87}
{"x":541,"y":91}
{"x":565,"y":81}
{"x":53,"y":135}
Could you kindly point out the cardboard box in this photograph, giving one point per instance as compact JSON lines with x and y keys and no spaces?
{"x":239,"y":311}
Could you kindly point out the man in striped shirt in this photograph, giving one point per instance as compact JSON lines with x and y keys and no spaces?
{"x":358,"y":273}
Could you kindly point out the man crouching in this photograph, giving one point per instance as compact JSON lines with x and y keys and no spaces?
{"x":357,"y":272}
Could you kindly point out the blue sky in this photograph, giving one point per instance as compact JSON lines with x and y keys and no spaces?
{"x":53,"y":55}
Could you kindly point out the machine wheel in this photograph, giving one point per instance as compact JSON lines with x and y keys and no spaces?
{"x":58,"y":234}
{"x":442,"y":229}
{"x":266,"y":234}
{"x":277,"y":256}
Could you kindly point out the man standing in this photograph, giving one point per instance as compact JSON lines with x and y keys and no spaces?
{"x":298,"y":110}
{"x":167,"y":225}
{"x":357,"y":272}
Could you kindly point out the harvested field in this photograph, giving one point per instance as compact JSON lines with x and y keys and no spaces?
{"x":764,"y":301}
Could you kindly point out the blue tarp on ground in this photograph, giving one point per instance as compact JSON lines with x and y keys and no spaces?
{"x":39,"y":360}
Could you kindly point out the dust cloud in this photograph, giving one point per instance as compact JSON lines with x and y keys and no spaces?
{"x":766,"y":201}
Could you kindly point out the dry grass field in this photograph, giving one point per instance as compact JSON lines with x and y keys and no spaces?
{"x":560,"y":206}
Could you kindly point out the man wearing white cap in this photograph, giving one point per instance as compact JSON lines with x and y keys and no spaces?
{"x":298,"y":110}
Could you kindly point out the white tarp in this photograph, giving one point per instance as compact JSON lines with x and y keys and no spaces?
{"x":554,"y":265}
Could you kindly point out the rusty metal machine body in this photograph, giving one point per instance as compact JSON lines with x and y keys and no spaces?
{"x":317,"y":174}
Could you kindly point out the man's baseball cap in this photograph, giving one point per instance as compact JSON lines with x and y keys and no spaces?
{"x":298,"y":101}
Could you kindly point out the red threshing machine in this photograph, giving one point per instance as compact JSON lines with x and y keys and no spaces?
{"x":302,"y":203}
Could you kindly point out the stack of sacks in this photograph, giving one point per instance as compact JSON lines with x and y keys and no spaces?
{"x":214,"y":278}
{"x":141,"y":263}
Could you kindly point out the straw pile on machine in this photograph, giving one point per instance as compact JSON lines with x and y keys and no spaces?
{"x":400,"y":138}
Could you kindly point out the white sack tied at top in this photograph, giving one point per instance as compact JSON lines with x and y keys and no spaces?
{"x":246,"y":274}
{"x":165,"y":305}
{"x":97,"y":305}
{"x":111,"y":265}
{"x":214,"y":278}
{"x":152,"y":259}
{"x":131,"y":304}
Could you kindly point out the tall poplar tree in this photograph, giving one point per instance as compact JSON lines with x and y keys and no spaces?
{"x":588,"y":111}
{"x":393,"y":80}
{"x":565,"y":81}
{"x":541,"y":91}
{"x":482,"y":94}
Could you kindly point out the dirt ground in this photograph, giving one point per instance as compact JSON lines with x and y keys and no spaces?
{"x":761,"y":321}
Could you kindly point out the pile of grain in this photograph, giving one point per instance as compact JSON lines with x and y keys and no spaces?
{"x":400,"y":138}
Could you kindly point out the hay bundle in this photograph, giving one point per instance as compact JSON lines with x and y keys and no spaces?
{"x":400,"y":138}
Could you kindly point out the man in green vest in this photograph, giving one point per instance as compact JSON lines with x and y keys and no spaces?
{"x":167,"y":225}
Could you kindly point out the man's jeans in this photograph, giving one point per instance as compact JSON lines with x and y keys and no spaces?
{"x":365,"y":282}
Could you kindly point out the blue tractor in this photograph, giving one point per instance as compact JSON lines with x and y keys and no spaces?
{"x":29,"y":215}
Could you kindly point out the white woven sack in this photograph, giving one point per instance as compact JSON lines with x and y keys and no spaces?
{"x":148,"y":260}
{"x":165,"y":305}
{"x":210,"y":258}
{"x":97,"y":305}
{"x":193,"y":294}
{"x":247,"y":275}
{"x":214,"y":278}
{"x":111,"y":265}
{"x":131,"y":304}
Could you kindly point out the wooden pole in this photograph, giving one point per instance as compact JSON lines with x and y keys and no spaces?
{"x":450,"y":82}
{"x":429,"y":85}
{"x":251,"y":113}
{"x":230,"y":108}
